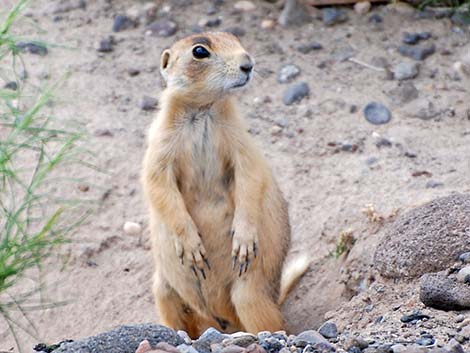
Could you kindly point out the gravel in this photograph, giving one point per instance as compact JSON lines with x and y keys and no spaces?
{"x":124,"y":339}
{"x":32,"y":48}
{"x":161,"y":28}
{"x":328,"y":330}
{"x":332,"y":16}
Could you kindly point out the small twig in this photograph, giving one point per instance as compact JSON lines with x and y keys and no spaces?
{"x":369,"y":66}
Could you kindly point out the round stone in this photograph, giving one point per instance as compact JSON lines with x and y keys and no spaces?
{"x":377,"y":114}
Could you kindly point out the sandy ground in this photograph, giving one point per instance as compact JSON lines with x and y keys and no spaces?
{"x":108,"y":276}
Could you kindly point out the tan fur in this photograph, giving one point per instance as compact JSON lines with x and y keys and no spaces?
{"x":212,"y":196}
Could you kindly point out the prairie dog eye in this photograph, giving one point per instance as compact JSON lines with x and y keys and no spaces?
{"x":199,"y":52}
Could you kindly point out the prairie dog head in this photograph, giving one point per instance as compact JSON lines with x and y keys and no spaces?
{"x":206,"y":65}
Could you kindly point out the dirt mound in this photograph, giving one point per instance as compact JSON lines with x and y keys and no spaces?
{"x":428,"y":238}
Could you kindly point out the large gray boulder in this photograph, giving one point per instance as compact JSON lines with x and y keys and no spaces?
{"x":124,"y":339}
{"x":426,"y":239}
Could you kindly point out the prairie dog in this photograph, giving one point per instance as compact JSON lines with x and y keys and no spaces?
{"x":218,"y":221}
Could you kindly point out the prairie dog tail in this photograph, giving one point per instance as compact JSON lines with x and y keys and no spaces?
{"x":291,"y":274}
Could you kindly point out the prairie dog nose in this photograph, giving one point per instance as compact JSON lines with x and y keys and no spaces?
{"x":247,"y":64}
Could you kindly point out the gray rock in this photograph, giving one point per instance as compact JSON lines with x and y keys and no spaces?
{"x":461,"y":18}
{"x":123,"y":22}
{"x":342,"y":54}
{"x":162,"y":28}
{"x":295,"y":93}
{"x":419,"y":53}
{"x":288,"y":73}
{"x":423,"y":109}
{"x":308,"y":47}
{"x":425,"y":341}
{"x":148,"y":103}
{"x":32,"y":48}
{"x":426,"y":239}
{"x":356,"y":341}
{"x":328,"y":330}
{"x":375,"y":19}
{"x":405,"y":71}
{"x":293,"y":14}
{"x":12,"y":85}
{"x":210,"y":336}
{"x":415,"y":38}
{"x":433,"y":184}
{"x":186,"y":348}
{"x":309,"y":337}
{"x":464,"y":274}
{"x":377,"y":114}
{"x":332,"y":16}
{"x":465,"y":257}
{"x":441,"y":292}
{"x":106,"y":45}
{"x":67,"y":6}
{"x":404,"y":93}
{"x":241,"y":339}
{"x":124,"y":339}
{"x":454,"y":347}
{"x":184,"y":335}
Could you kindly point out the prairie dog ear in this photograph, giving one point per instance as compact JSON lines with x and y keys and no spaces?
{"x":164,"y":63}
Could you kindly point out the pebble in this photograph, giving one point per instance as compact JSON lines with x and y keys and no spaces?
{"x":12,"y":85}
{"x":309,"y":337}
{"x":288,"y":73}
{"x":166,"y":347}
{"x":342,"y":54}
{"x":418,"y":53}
{"x":232,"y":349}
{"x":244,"y":6}
{"x":132,"y":228}
{"x":67,"y":6}
{"x":210,"y":22}
{"x":358,"y":342}
{"x":404,"y":93}
{"x":161,"y":28}
{"x":415,"y":38}
{"x":465,"y":257}
{"x":133,"y":71}
{"x":328,"y":330}
{"x":295,"y":93}
{"x":398,"y":348}
{"x":32,"y":48}
{"x":423,"y":109}
{"x":308,"y":47}
{"x":375,"y":19}
{"x":454,"y":347}
{"x":362,"y":7}
{"x":377,"y":113}
{"x":464,"y":275}
{"x":105,"y":45}
{"x":433,"y":184}
{"x":210,"y":336}
{"x":425,"y":341}
{"x":405,"y":71}
{"x":184,"y":335}
{"x":413,"y":317}
{"x":148,"y":103}
{"x":254,"y":348}
{"x":242,"y":339}
{"x":123,"y":22}
{"x":268,"y":24}
{"x":185,"y":348}
{"x":332,"y":16}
